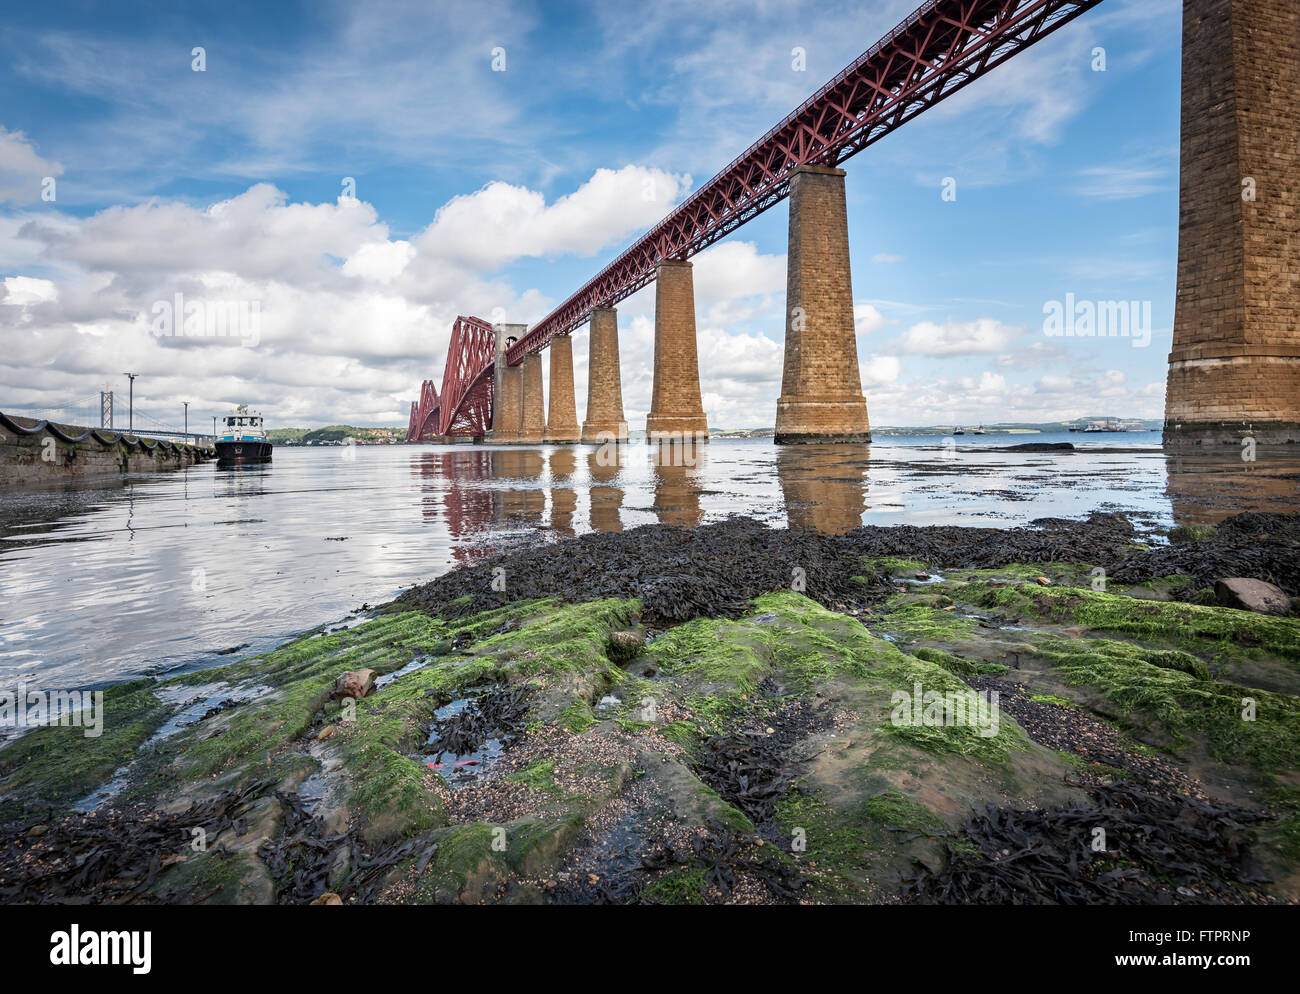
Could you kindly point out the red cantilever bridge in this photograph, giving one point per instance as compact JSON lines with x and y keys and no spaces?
{"x":937,"y":50}
{"x":1229,"y":370}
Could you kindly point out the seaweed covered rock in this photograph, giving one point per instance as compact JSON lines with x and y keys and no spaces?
{"x":667,"y":717}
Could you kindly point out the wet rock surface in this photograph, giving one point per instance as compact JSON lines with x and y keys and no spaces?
{"x":722,"y":715}
{"x":1252,"y":595}
{"x":355,"y":684}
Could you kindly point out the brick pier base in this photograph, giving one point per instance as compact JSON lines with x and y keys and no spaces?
{"x":821,"y":387}
{"x":605,"y":421}
{"x":1235,"y":366}
{"x":533,"y":425}
{"x":508,"y":404}
{"x":676,"y":411}
{"x":507,"y":390}
{"x":562,"y":415}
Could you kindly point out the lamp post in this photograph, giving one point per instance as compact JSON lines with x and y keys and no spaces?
{"x":187,"y":417}
{"x":131,"y":402}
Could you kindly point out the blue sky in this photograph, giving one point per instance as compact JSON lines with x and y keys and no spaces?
{"x":500,"y":192}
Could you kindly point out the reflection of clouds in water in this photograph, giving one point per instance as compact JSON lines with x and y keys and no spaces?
{"x":97,"y":583}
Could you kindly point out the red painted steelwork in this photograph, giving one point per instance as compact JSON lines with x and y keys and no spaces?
{"x":941,"y":47}
{"x":467,"y":380}
{"x":424,"y":415}
{"x":465,"y":407}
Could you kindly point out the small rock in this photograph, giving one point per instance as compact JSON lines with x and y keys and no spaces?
{"x":1042,"y":581}
{"x":329,"y":897}
{"x":593,"y":878}
{"x":324,"y":733}
{"x":355,"y":684}
{"x":625,"y":645}
{"x":36,"y":831}
{"x":1252,"y":595}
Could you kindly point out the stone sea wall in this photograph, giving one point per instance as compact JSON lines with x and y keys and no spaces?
{"x":34,"y":453}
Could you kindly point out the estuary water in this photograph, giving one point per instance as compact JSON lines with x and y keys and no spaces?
{"x":112,"y":579}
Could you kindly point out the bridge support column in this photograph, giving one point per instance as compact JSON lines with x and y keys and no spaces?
{"x":508,"y":390}
{"x":507,"y":419}
{"x":676,"y":411}
{"x":1235,"y":366}
{"x":532,"y":427}
{"x":562,"y":415}
{"x":821,"y":387}
{"x":605,"y":421}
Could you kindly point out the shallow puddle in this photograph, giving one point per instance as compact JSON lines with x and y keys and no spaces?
{"x":460,"y":769}
{"x":418,"y":663}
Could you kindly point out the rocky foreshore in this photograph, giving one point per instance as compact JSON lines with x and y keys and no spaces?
{"x":1071,"y":712}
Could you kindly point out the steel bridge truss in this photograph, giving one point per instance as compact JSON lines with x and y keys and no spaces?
{"x":939,"y":49}
{"x":465,"y":405}
{"x":943,"y":46}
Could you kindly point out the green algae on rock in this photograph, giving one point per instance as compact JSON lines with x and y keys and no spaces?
{"x":788,"y":750}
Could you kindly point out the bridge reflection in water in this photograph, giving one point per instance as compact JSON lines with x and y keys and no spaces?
{"x":571,"y":490}
{"x":1205,"y":488}
{"x":604,"y":466}
{"x":508,"y":491}
{"x":318,"y":530}
{"x":825,"y":486}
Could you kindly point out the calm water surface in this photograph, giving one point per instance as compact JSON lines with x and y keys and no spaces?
{"x":103,"y":581}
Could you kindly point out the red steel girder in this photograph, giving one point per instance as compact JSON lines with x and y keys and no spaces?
{"x":413,"y":426}
{"x":467,"y":379}
{"x":424,"y":414}
{"x":940,"y":48}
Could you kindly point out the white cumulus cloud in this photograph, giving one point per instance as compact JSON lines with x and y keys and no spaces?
{"x":957,"y":338}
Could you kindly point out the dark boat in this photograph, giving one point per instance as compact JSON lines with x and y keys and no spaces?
{"x":242,"y":439}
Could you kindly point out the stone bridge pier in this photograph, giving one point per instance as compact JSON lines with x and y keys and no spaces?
{"x":821,"y":386}
{"x":562,"y":415}
{"x":605,"y":421}
{"x":508,"y":389}
{"x":532,"y":426}
{"x":676,"y":411}
{"x":1235,"y":366}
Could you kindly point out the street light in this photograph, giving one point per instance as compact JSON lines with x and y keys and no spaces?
{"x":187,"y":417}
{"x":131,"y":402}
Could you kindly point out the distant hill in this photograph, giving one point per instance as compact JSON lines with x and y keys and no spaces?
{"x":337,"y":435}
